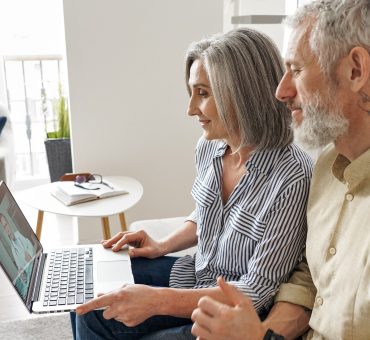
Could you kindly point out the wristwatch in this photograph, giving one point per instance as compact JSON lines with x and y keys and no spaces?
{"x":270,"y":335}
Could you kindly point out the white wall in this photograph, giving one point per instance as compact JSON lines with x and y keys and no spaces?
{"x":128,"y":99}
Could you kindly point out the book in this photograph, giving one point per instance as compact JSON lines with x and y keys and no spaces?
{"x":69,"y":194}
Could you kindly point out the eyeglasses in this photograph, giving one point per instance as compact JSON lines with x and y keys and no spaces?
{"x":91,"y":182}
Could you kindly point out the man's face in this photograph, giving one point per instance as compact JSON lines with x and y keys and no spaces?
{"x":314,"y":100}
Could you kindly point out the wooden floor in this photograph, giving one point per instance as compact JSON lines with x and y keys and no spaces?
{"x":57,"y":231}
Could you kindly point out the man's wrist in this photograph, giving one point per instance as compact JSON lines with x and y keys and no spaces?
{"x":270,"y":335}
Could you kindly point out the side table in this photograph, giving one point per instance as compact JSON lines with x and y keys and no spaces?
{"x":39,"y":197}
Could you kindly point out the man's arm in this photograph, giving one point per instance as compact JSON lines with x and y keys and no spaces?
{"x":290,"y":314}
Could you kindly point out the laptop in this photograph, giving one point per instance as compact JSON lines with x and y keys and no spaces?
{"x":55,"y":280}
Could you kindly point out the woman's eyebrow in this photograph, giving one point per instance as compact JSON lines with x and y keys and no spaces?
{"x":199,"y":85}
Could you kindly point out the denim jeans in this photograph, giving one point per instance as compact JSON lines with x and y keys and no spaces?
{"x":93,"y":326}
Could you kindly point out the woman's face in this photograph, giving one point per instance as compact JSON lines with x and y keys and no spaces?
{"x":202,"y":103}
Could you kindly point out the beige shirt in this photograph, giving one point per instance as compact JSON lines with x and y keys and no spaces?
{"x":338,"y":250}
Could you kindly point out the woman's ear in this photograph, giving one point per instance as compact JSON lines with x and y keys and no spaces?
{"x":359,"y":67}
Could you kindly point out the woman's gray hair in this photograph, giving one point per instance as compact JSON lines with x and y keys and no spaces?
{"x":336,"y":27}
{"x":244,"y":68}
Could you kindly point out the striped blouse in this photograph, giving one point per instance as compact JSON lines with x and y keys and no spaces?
{"x":257,"y":237}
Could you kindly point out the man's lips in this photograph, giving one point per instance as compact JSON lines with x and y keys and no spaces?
{"x":295,"y":110}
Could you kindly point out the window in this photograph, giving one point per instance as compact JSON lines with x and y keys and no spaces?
{"x":32,"y":84}
{"x":32,"y":55}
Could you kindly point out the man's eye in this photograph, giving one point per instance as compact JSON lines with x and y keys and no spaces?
{"x":296,"y":72}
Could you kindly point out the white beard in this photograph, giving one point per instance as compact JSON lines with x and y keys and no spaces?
{"x":323,"y":122}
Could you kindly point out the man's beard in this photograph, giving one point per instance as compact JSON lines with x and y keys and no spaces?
{"x":323,"y":122}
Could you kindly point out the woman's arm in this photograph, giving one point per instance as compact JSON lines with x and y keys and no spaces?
{"x":133,"y":304}
{"x":143,"y":245}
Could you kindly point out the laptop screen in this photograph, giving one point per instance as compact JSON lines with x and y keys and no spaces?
{"x":19,"y":245}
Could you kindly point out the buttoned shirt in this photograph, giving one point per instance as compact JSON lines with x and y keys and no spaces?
{"x":338,"y":249}
{"x":255,"y":239}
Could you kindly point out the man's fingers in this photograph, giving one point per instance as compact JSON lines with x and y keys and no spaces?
{"x":201,"y":318}
{"x":210,"y":307}
{"x":201,"y":324}
{"x":200,"y":332}
{"x":233,"y":294}
{"x":97,"y":303}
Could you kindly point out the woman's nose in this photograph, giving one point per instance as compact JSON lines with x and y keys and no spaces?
{"x":286,"y":89}
{"x":193,"y":109}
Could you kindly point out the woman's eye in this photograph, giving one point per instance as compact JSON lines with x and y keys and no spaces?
{"x":202,"y":93}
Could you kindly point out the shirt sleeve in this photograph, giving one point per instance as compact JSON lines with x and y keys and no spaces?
{"x":300,"y":289}
{"x":192,"y":217}
{"x":280,"y":248}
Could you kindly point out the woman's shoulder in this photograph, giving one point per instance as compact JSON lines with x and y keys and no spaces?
{"x":295,"y":160}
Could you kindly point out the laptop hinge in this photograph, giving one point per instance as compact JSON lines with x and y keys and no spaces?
{"x":38,"y":277}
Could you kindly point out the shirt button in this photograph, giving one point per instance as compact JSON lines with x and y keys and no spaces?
{"x":319,"y":300}
{"x":349,"y":197}
{"x":332,"y":251}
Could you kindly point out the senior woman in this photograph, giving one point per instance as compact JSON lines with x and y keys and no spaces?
{"x":250,"y":197}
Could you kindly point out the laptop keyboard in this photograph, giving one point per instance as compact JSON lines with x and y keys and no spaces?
{"x":70,"y":277}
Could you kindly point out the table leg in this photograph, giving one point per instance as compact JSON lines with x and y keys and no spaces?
{"x":106,"y":229}
{"x":122,"y":219}
{"x":40,"y":218}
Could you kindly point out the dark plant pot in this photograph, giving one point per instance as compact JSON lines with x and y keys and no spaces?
{"x":58,"y":152}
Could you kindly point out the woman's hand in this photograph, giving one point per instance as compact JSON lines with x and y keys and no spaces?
{"x":131,"y":304}
{"x":143,"y":245}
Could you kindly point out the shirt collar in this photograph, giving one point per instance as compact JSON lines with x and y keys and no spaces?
{"x":352,"y":172}
{"x":261,"y":160}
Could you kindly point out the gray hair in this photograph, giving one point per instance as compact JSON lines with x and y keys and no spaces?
{"x":244,"y":68}
{"x":336,"y":27}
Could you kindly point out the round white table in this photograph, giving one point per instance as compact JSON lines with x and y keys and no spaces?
{"x":39,"y":197}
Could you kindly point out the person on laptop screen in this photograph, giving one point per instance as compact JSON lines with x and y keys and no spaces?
{"x":21,"y":254}
{"x":250,"y":196}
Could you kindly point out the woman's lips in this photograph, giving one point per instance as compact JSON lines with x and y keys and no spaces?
{"x":203,"y":122}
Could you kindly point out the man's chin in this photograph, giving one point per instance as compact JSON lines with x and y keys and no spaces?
{"x":310,"y":141}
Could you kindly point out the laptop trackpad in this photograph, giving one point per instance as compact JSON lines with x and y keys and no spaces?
{"x":110,"y":271}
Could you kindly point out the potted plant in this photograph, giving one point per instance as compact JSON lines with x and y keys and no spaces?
{"x":58,"y":143}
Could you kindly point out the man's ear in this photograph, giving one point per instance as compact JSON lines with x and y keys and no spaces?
{"x":359,"y":67}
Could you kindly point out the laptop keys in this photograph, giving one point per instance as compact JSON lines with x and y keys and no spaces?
{"x":70,"y":277}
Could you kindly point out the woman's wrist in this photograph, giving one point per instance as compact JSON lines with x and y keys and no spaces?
{"x":164,"y":247}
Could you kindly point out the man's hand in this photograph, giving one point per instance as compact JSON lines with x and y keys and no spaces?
{"x":233,"y":321}
{"x":131,"y":304}
{"x":143,"y":245}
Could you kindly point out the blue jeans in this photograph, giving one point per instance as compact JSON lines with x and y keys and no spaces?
{"x":93,"y":326}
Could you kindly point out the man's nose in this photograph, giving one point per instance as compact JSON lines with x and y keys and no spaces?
{"x":286,"y":89}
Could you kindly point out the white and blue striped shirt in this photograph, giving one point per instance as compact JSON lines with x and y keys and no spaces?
{"x":257,"y":237}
